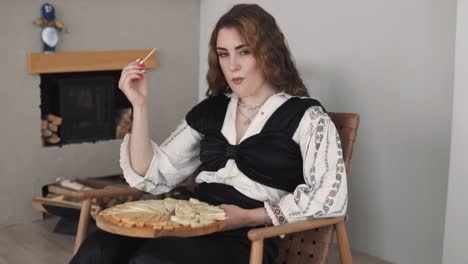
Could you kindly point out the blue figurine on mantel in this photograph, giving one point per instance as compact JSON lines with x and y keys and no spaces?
{"x":50,"y":27}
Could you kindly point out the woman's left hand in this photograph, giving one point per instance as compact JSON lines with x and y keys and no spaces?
{"x":236,"y":217}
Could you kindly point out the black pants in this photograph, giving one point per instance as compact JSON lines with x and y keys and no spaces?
{"x":223,"y":247}
{"x":105,"y":248}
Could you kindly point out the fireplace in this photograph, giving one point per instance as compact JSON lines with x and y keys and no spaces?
{"x":83,"y":107}
{"x":87,"y":108}
{"x":80,"y":98}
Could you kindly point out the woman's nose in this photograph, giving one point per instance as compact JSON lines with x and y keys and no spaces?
{"x":234,"y":63}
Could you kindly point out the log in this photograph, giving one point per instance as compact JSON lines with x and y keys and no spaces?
{"x":54,"y":139}
{"x":127,"y":113}
{"x":56,"y":120}
{"x":46,"y":132}
{"x":120,"y":131}
{"x":53,"y":128}
{"x":44,"y":124}
{"x":125,"y":124}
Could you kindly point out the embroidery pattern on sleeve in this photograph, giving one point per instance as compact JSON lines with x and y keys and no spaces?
{"x":318,"y":140}
{"x":278,"y":213}
{"x":180,"y":128}
{"x":340,"y":170}
{"x":315,"y":189}
{"x":155,"y":185}
{"x":315,"y":112}
{"x":342,"y":206}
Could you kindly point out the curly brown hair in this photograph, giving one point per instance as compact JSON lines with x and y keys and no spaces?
{"x":260,"y":31}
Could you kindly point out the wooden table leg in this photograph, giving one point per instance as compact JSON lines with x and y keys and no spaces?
{"x":83,"y":224}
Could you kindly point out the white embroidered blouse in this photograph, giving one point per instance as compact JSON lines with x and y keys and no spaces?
{"x":324,"y":193}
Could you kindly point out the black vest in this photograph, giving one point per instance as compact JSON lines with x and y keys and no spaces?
{"x":271,"y":157}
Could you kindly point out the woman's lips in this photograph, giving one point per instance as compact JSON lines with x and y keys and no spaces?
{"x":237,"y":80}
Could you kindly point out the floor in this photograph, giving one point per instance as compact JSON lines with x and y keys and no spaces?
{"x":36,"y":243}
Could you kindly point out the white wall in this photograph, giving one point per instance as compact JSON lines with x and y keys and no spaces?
{"x":93,"y":25}
{"x":392,"y":62}
{"x":456,"y":233}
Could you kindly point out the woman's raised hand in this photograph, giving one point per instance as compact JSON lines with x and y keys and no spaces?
{"x":134,"y":84}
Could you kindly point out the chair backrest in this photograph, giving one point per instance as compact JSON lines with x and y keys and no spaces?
{"x":347,"y":125}
{"x":313,"y":246}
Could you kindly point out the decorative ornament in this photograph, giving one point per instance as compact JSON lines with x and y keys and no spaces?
{"x":249,"y":107}
{"x":50,"y":27}
{"x":248,"y":119}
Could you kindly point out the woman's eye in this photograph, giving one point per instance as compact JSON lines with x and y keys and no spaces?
{"x":221,"y":55}
{"x":245,"y":52}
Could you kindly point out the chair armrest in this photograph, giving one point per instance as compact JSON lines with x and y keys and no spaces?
{"x":272,"y":231}
{"x":109,"y":192}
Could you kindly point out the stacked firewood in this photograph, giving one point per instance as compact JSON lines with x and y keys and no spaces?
{"x":49,"y":128}
{"x":123,"y":123}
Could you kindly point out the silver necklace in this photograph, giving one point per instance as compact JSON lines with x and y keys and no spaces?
{"x":249,"y":107}
{"x":248,"y":119}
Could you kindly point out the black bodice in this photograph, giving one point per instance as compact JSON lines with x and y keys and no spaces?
{"x":271,"y":157}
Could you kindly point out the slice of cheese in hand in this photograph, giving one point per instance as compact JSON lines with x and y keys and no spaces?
{"x":212,"y":212}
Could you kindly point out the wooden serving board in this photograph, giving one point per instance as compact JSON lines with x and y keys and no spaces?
{"x":149,"y":232}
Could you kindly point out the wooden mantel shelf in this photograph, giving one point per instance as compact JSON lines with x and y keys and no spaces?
{"x":83,"y":61}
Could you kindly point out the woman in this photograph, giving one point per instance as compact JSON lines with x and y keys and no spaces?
{"x":267,"y":153}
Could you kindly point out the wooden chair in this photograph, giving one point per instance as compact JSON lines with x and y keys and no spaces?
{"x":305,"y":242}
{"x":104,"y":193}
{"x":309,"y":241}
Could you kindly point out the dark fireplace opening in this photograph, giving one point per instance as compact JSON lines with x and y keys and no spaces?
{"x":83,"y":107}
